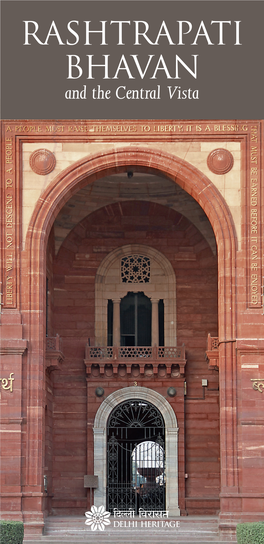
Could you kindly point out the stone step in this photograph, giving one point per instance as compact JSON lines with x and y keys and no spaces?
{"x":123,"y":540}
{"x":142,"y":524}
{"x":72,"y":530}
{"x":130,"y":538}
{"x":130,"y":530}
{"x":66,"y":525}
{"x":85,"y":534}
{"x":186,"y":520}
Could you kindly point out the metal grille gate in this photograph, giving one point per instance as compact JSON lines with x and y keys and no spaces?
{"x":136,"y":457}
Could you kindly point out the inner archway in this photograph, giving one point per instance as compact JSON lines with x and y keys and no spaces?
{"x":136,"y":457}
{"x":166,"y":422}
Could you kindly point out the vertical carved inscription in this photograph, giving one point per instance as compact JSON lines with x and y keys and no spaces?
{"x":254,"y":222}
{"x":10,"y":227}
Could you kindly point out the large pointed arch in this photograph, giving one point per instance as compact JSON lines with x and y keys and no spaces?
{"x":49,"y":204}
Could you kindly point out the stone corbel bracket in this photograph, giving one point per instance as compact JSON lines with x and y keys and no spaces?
{"x":54,"y":354}
{"x":212,"y":352}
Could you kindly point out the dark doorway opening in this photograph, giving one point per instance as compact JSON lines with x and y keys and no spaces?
{"x":135,"y":320}
{"x":136,"y":457}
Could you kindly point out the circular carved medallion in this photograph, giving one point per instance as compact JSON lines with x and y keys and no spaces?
{"x":220,"y":161}
{"x":42,"y":161}
{"x":99,"y":391}
{"x":171,"y":391}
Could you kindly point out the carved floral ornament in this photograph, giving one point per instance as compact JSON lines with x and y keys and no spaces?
{"x":42,"y":162}
{"x":220,"y":161}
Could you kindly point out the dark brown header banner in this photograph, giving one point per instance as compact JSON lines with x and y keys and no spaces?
{"x":132,"y":60}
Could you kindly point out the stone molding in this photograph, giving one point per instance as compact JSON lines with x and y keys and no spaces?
{"x":13,"y":347}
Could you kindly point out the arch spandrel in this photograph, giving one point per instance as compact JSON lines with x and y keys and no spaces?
{"x":88,"y":169}
{"x":127,"y":393}
{"x":193,"y":152}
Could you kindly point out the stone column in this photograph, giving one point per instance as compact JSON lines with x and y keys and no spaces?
{"x":100,"y":466}
{"x":116,"y":322}
{"x":172,"y":475}
{"x":155,"y":322}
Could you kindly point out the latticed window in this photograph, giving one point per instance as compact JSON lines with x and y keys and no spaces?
{"x":135,"y":269}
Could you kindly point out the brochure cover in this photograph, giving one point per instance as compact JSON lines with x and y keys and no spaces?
{"x":132,"y":323}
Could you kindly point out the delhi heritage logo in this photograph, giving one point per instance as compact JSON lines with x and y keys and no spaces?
{"x":97,"y":518}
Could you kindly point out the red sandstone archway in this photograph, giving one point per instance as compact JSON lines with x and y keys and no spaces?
{"x":56,"y":195}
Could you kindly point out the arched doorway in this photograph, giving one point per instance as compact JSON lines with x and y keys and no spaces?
{"x":136,"y":457}
{"x":164,"y":422}
{"x":41,"y":223}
